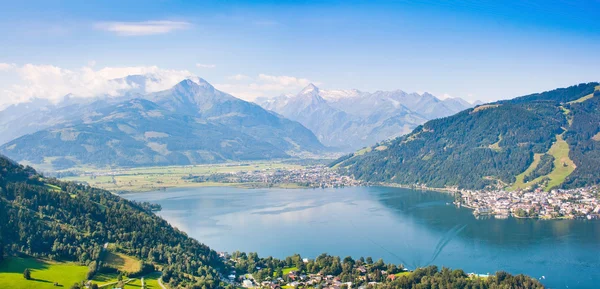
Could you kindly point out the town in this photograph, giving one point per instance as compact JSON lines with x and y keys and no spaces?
{"x":581,"y":203}
{"x":325,"y":272}
{"x":296,"y":272}
{"x":317,"y":176}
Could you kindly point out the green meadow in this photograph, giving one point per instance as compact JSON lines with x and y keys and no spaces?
{"x":43,"y":273}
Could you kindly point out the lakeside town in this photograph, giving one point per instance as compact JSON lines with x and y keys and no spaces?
{"x":325,"y":272}
{"x":318,"y":176}
{"x":581,"y":203}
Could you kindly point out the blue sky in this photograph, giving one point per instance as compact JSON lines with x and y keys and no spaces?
{"x":483,"y":50}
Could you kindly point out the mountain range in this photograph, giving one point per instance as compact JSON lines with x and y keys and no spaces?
{"x":352,"y":119}
{"x":189,"y":123}
{"x":544,"y":140}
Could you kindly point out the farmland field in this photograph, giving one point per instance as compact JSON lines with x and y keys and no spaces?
{"x":43,"y":273}
{"x":156,"y":178}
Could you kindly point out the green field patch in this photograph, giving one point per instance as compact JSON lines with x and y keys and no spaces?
{"x":563,"y":165}
{"x":151,"y":281}
{"x":288,"y":270}
{"x":496,"y":146}
{"x":54,"y":188}
{"x":589,"y":96}
{"x":122,"y":262}
{"x":109,"y":280}
{"x":144,"y":179}
{"x":484,"y":107}
{"x":381,"y":148}
{"x":43,"y":273}
{"x":519,"y":183}
{"x":405,"y":273}
{"x":568,"y":115}
{"x":363,"y":151}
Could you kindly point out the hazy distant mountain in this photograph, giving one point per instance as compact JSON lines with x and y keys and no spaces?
{"x":549,"y":139}
{"x":350,"y":119}
{"x":190,"y":123}
{"x":37,"y":114}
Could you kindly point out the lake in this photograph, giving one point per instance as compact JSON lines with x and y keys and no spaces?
{"x":414,"y":228}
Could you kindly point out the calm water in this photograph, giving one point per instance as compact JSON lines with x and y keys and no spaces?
{"x":414,"y":228}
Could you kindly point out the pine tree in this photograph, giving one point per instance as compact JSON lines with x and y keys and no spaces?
{"x":27,"y":274}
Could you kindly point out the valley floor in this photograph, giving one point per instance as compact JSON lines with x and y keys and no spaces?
{"x":145,"y":179}
{"x":244,"y":175}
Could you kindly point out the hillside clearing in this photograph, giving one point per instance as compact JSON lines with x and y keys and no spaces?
{"x":484,"y":107}
{"x":589,"y":96}
{"x":122,"y":262}
{"x":496,"y":146}
{"x":519,"y":183}
{"x":363,"y":151}
{"x":43,"y":273}
{"x":563,"y":165}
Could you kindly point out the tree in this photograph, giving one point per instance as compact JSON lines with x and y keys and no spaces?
{"x":369,"y":260}
{"x":27,"y":274}
{"x":94,"y":286}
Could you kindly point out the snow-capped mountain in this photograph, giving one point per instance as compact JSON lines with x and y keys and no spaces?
{"x":351,"y":119}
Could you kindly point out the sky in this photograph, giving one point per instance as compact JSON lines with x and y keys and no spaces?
{"x":476,"y":50}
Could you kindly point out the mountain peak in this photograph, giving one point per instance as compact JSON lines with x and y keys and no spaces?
{"x":194,"y":82}
{"x":310,"y":88}
{"x":199,"y":81}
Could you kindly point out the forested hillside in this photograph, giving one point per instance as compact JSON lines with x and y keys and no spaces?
{"x":64,"y":221}
{"x":492,"y":144}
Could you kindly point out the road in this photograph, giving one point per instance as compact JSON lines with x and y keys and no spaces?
{"x":160,"y":282}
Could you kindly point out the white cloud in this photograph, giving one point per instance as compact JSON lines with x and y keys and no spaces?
{"x":263,"y":85}
{"x":284,"y":80}
{"x":239,"y":77}
{"x":53,"y":82}
{"x":6,"y":66}
{"x":200,"y":65}
{"x":142,"y":28}
{"x":445,"y":96}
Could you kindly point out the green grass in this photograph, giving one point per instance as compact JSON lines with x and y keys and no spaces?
{"x":43,"y":273}
{"x":496,"y":146}
{"x":568,"y":115}
{"x":402,"y":274}
{"x":363,"y":151}
{"x":589,"y":96}
{"x":106,"y":281}
{"x":122,"y":262}
{"x":519,"y":183}
{"x":563,"y":167}
{"x":54,"y":188}
{"x":150,"y":280}
{"x":288,"y":270}
{"x":155,"y":178}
